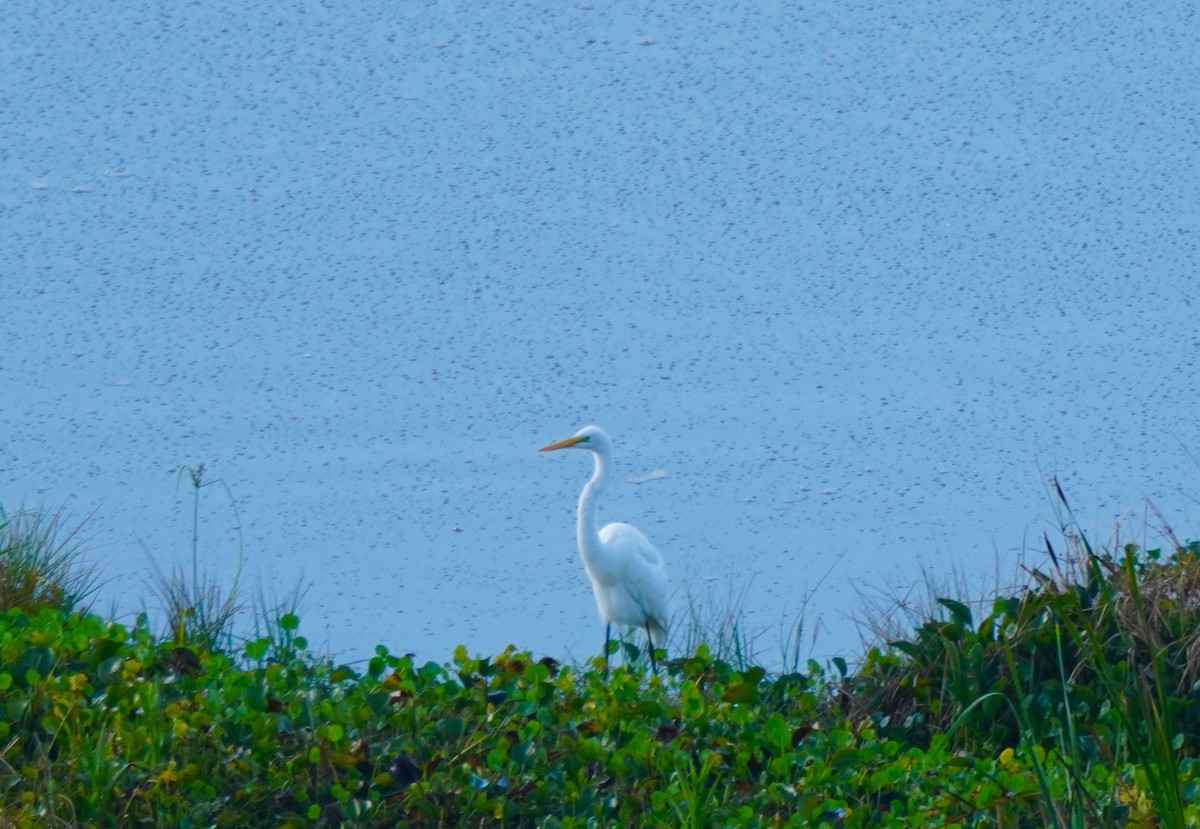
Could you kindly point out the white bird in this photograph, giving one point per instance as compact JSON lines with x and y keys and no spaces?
{"x":625,"y":569}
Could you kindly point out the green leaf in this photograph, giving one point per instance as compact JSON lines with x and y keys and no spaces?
{"x":37,"y":658}
{"x":651,"y":709}
{"x":958,"y":611}
{"x":289,"y":621}
{"x":110,"y":669}
{"x":342,"y":673}
{"x":777,"y":732}
{"x":257,"y":648}
{"x":691,"y":701}
{"x":754,"y":675}
{"x":379,"y":701}
{"x":741,"y":692}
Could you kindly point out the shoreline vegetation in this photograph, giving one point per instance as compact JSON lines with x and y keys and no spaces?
{"x":1070,"y":701}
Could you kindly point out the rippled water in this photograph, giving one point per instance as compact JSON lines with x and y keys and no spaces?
{"x":856,"y":277}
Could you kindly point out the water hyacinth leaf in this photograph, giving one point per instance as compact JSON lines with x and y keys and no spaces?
{"x":754,"y":674}
{"x":404,"y":771}
{"x":109,"y":668}
{"x":185,"y":661}
{"x":358,"y":809}
{"x":378,"y":701}
{"x":741,"y":692}
{"x":845,"y":758}
{"x":453,"y":727}
{"x":650,"y":709}
{"x":691,"y":701}
{"x":39,"y":659}
{"x":666,"y":733}
{"x":958,"y":611}
{"x":778,"y":731}
{"x":343,"y":758}
{"x":255,"y":696}
{"x":106,"y":647}
{"x":257,"y":648}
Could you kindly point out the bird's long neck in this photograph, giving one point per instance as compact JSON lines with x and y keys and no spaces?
{"x":587,"y":526}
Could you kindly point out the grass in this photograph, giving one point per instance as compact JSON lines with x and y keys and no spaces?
{"x":198,"y":609}
{"x":1068,"y":701}
{"x":40,"y":562}
{"x":715,"y":620}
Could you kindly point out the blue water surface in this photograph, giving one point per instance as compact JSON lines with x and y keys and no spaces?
{"x":847,"y":282}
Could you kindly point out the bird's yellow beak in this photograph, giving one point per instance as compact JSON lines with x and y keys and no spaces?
{"x":563,"y":444}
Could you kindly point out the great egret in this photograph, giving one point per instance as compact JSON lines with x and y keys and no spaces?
{"x":625,"y":569}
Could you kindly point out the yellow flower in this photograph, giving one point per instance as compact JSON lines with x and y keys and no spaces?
{"x":1009,"y":762}
{"x":168,"y":776}
{"x":1140,"y":808}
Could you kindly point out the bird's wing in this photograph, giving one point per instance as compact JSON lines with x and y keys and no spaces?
{"x":630,"y":539}
{"x":644,"y":578}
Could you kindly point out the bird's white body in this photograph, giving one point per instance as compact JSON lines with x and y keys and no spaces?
{"x":630,"y":586}
{"x":626,"y":570}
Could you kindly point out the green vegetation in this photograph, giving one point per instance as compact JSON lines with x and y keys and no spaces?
{"x":1069,"y":704}
{"x":39,"y":561}
{"x":199,"y":611}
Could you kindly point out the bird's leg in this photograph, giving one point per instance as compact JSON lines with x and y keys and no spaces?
{"x":650,"y":640}
{"x":607,"y":639}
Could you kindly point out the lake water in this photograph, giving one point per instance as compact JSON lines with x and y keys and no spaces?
{"x":857,"y":277}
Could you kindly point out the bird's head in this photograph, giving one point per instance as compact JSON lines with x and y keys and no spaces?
{"x":589,"y":437}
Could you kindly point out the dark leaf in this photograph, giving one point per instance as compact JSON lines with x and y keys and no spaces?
{"x":404,"y":771}
{"x":959,"y":611}
{"x":741,"y":692}
{"x":801,"y":732}
{"x":185,"y":661}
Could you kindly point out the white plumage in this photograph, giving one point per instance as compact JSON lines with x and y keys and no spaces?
{"x":626,"y":570}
